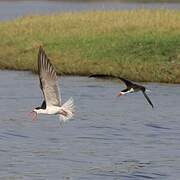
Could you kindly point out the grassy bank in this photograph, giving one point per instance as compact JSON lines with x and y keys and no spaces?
{"x":142,"y":45}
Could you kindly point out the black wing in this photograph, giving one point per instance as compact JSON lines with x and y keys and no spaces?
{"x":101,"y":76}
{"x":148,"y":99}
{"x":127,"y":82}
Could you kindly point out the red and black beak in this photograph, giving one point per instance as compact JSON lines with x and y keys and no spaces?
{"x":34,"y":115}
{"x":120,"y":94}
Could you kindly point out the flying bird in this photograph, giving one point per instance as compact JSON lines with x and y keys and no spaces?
{"x":130,"y":87}
{"x":49,"y":85}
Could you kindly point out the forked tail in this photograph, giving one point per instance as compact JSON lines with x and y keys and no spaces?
{"x":68,"y":110}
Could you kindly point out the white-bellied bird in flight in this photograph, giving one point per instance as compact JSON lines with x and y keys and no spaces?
{"x":49,"y":85}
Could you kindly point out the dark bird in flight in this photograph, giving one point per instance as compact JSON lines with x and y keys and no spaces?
{"x":130,"y":87}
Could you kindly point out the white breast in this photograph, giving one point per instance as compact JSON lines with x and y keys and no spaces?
{"x":53,"y":110}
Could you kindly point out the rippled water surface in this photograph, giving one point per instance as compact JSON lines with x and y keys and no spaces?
{"x":109,"y":138}
{"x":13,"y":8}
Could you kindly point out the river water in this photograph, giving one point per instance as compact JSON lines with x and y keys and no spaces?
{"x":13,"y":8}
{"x":109,"y":138}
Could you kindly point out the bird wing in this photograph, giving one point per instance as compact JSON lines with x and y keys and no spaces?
{"x":127,"y":82}
{"x":103,"y":76}
{"x":48,"y":79}
{"x":148,"y":99}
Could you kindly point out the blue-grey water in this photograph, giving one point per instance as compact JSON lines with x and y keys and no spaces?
{"x":109,"y":138}
{"x":10,"y":9}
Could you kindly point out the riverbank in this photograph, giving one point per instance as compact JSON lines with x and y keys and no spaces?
{"x":142,"y":45}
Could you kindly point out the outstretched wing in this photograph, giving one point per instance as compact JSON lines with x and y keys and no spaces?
{"x":148,"y":99}
{"x":102,"y":76}
{"x":48,"y":79}
{"x":127,"y":82}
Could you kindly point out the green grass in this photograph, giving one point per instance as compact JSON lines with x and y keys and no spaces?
{"x":142,"y":45}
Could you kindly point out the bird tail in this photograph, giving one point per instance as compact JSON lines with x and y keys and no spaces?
{"x":68,"y":109}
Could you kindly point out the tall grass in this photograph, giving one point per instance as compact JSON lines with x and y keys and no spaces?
{"x":142,"y":45}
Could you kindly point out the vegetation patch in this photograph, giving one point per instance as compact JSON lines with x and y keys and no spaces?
{"x":142,"y":45}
